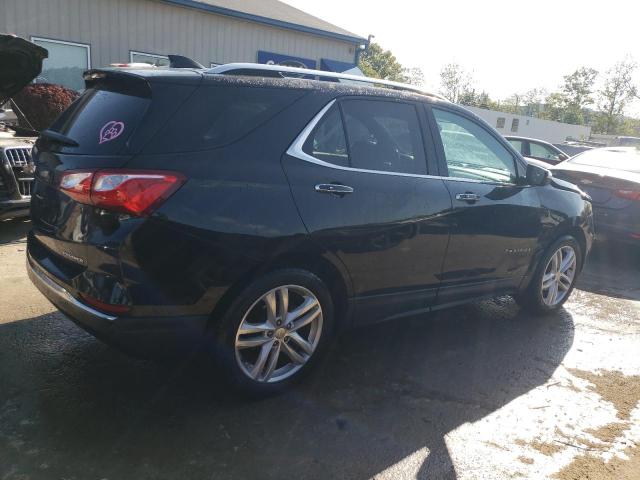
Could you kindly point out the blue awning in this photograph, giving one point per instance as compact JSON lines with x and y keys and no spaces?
{"x":335,"y":65}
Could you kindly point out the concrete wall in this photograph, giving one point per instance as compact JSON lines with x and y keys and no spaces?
{"x":115,"y":27}
{"x":550,"y":131}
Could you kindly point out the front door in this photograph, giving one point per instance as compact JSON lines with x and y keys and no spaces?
{"x":496,"y":219}
{"x":358,"y":177}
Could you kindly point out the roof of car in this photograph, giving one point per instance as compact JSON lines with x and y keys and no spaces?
{"x":178,"y":75}
{"x":516,"y":137}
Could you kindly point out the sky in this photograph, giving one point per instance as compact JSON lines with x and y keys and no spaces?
{"x":508,"y":46}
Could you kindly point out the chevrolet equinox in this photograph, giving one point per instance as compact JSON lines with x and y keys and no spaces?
{"x":256,"y":214}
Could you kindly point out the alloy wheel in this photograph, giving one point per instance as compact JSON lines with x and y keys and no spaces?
{"x":559,"y":275}
{"x":278,"y":334}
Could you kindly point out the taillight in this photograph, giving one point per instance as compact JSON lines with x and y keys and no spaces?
{"x":77,"y":185}
{"x":628,"y":194}
{"x":136,"y":192}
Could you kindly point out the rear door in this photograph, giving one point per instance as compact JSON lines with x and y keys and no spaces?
{"x":496,"y":220}
{"x":359,"y":177}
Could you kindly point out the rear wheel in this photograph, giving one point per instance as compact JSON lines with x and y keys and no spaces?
{"x":275,"y":331}
{"x":555,"y":277}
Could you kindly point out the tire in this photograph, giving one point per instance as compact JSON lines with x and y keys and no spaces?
{"x":540,"y":300}
{"x":266,"y":335}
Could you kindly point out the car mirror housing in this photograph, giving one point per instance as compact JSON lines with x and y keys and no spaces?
{"x":537,"y":176}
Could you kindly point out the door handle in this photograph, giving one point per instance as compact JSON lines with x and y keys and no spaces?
{"x":467,"y":197}
{"x":334,"y":188}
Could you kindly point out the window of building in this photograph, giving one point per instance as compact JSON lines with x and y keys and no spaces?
{"x":472,"y":152}
{"x":514,"y":124}
{"x":500,"y":122}
{"x":66,"y":63}
{"x":327,"y":142}
{"x":150,"y":58}
{"x":384,"y":136}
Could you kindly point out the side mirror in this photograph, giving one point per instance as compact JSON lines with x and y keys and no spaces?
{"x":537,"y":176}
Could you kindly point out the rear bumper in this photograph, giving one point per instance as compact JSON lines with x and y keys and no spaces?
{"x":14,"y":208}
{"x":139,"y":336}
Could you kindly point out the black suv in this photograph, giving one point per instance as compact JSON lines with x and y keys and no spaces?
{"x":258,"y":215}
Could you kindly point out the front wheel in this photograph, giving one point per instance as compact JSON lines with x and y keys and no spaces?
{"x":554,"y":278}
{"x":275,"y":331}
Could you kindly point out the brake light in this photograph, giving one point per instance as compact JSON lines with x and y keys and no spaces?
{"x":136,"y":192}
{"x":628,"y":194}
{"x":77,"y":185}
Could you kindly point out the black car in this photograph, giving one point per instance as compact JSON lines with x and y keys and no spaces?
{"x":611,"y":176}
{"x":537,"y":149}
{"x":256,"y":216}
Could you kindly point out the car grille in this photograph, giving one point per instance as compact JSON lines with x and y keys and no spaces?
{"x":18,"y":157}
{"x":25,"y":187}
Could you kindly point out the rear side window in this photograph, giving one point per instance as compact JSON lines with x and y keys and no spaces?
{"x":328,"y":142}
{"x":218,"y":115}
{"x":384,"y":136}
{"x":101,"y":121}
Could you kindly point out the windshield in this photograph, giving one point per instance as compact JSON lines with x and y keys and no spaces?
{"x":627,"y":159}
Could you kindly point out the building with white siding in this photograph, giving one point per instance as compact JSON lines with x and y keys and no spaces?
{"x":82,"y":34}
{"x":523,"y":126}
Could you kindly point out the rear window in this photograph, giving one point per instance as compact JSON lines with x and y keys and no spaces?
{"x":626,"y":159}
{"x":101,"y":121}
{"x":218,"y":115}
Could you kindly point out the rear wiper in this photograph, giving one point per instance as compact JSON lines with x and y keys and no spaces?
{"x":59,"y":138}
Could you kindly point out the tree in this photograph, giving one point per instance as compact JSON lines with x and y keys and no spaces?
{"x":378,"y":63}
{"x":455,"y":83}
{"x":554,"y":107}
{"x":41,"y":103}
{"x":615,"y":95}
{"x":577,"y":94}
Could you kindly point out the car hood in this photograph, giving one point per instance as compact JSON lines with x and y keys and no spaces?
{"x":20,"y":63}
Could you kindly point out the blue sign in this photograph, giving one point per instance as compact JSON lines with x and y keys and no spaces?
{"x":271,"y":58}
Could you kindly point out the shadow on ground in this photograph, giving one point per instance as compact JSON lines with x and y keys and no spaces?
{"x":71,"y":407}
{"x":14,"y":230}
{"x":612,"y":270}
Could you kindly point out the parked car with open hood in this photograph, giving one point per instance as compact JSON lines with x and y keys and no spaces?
{"x":611,"y":176}
{"x":256,"y":215}
{"x":20,"y":63}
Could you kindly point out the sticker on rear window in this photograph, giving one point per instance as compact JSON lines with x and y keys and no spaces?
{"x":110,"y":131}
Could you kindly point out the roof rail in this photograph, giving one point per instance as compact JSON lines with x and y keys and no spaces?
{"x":260,"y":68}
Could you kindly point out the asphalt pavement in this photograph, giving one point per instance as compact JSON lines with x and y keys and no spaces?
{"x":483,"y":391}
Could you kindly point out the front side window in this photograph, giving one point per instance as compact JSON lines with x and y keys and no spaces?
{"x":518,"y":145}
{"x":150,"y":58}
{"x":542,"y":151}
{"x":327,"y":142}
{"x":66,"y":63}
{"x":472,"y":152}
{"x":384,"y":136}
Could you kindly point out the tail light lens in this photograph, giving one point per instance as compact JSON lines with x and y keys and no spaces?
{"x":628,"y":194}
{"x":136,"y":192}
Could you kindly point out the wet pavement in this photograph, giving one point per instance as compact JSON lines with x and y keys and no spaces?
{"x":481,"y":391}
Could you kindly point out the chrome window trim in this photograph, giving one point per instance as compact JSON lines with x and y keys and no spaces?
{"x":295,"y":150}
